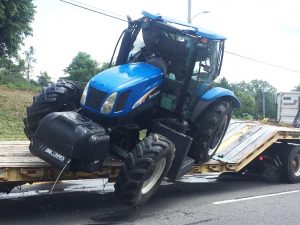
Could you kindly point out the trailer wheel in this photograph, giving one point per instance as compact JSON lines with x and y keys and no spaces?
{"x":62,"y":96}
{"x":291,"y":165}
{"x":209,"y":131}
{"x":144,"y":169}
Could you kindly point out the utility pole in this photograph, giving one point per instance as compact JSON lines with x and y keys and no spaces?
{"x":189,"y":19}
{"x":264,"y":101}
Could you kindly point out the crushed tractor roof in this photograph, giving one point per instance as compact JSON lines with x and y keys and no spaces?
{"x":195,"y":30}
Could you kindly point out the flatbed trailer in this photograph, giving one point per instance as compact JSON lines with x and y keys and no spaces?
{"x":243,"y":143}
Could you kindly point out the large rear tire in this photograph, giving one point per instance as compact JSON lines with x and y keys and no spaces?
{"x":291,"y":165}
{"x":209,"y":130}
{"x":144,"y":169}
{"x":62,"y":96}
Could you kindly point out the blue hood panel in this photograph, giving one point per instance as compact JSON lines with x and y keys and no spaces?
{"x":141,"y":80}
{"x":125,"y":76}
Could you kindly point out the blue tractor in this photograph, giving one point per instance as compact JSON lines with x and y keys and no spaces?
{"x":159,"y":86}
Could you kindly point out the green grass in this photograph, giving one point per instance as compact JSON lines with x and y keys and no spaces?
{"x":23,"y":86}
{"x":13,"y":105}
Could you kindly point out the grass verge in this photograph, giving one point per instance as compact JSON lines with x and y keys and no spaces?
{"x":13,"y":105}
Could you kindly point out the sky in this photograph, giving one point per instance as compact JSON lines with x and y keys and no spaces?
{"x":264,"y":30}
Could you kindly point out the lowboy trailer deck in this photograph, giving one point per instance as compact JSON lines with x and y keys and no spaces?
{"x":246,"y":146}
{"x":244,"y":142}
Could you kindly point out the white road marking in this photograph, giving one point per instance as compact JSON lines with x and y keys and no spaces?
{"x":254,"y":197}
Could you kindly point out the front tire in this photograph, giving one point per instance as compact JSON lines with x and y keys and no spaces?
{"x":62,"y":96}
{"x":144,"y":169}
{"x":209,"y":130}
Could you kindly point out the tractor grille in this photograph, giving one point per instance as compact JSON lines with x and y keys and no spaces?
{"x":121,"y":101}
{"x":95,"y":98}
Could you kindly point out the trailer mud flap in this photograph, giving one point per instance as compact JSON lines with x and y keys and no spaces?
{"x":272,"y":169}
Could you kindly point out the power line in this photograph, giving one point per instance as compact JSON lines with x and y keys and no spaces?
{"x":95,"y":11}
{"x":119,"y":17}
{"x":102,"y":10}
{"x":262,"y":62}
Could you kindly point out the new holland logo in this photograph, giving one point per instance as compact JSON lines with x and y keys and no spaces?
{"x":54,"y":154}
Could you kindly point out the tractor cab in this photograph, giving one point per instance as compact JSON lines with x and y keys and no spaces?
{"x":190,"y":57}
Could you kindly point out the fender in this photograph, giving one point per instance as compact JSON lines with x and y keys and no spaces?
{"x":213,"y":95}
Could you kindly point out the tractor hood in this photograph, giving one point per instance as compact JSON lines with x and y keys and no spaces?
{"x":126,"y":87}
{"x":125,"y":76}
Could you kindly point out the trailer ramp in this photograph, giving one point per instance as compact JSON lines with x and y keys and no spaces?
{"x":243,"y":142}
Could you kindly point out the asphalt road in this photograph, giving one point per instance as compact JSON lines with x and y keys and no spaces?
{"x":231,"y":201}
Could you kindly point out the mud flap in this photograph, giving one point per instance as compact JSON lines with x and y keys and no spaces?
{"x":272,"y":168}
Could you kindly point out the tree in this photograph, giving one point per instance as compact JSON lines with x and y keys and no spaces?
{"x":224,"y":83}
{"x":251,"y":95}
{"x":13,"y":71}
{"x":15,"y":19}
{"x":104,"y":66}
{"x":247,"y":109}
{"x":44,"y":79}
{"x":82,"y":67}
{"x":262,"y":89}
{"x":297,"y":88}
{"x":29,"y":61}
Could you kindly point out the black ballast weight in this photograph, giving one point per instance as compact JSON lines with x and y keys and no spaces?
{"x":64,"y":136}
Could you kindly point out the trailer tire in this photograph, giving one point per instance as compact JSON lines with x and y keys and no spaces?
{"x":291,"y":165}
{"x":61,"y":96}
{"x":144,"y":169}
{"x":209,"y":130}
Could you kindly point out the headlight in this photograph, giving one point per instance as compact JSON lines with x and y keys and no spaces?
{"x":109,"y":103}
{"x":84,"y":94}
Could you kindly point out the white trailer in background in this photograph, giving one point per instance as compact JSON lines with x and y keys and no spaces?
{"x":287,"y":106}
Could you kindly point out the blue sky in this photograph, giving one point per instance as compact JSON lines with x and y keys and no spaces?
{"x":266,"y":30}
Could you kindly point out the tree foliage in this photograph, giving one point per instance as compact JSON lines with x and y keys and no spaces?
{"x":18,"y":70}
{"x":297,"y":88}
{"x":15,"y":19}
{"x":247,"y":109}
{"x":44,"y":79}
{"x":12,"y":72}
{"x":103,"y":66}
{"x":82,"y":67}
{"x":251,"y":97}
{"x":29,"y":61}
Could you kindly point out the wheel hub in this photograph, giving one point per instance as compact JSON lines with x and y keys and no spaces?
{"x":295,"y":165}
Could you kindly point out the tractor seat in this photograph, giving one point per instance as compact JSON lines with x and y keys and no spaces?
{"x":158,"y":62}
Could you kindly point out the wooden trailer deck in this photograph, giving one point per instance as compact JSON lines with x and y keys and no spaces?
{"x":243,"y":142}
{"x":18,"y":164}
